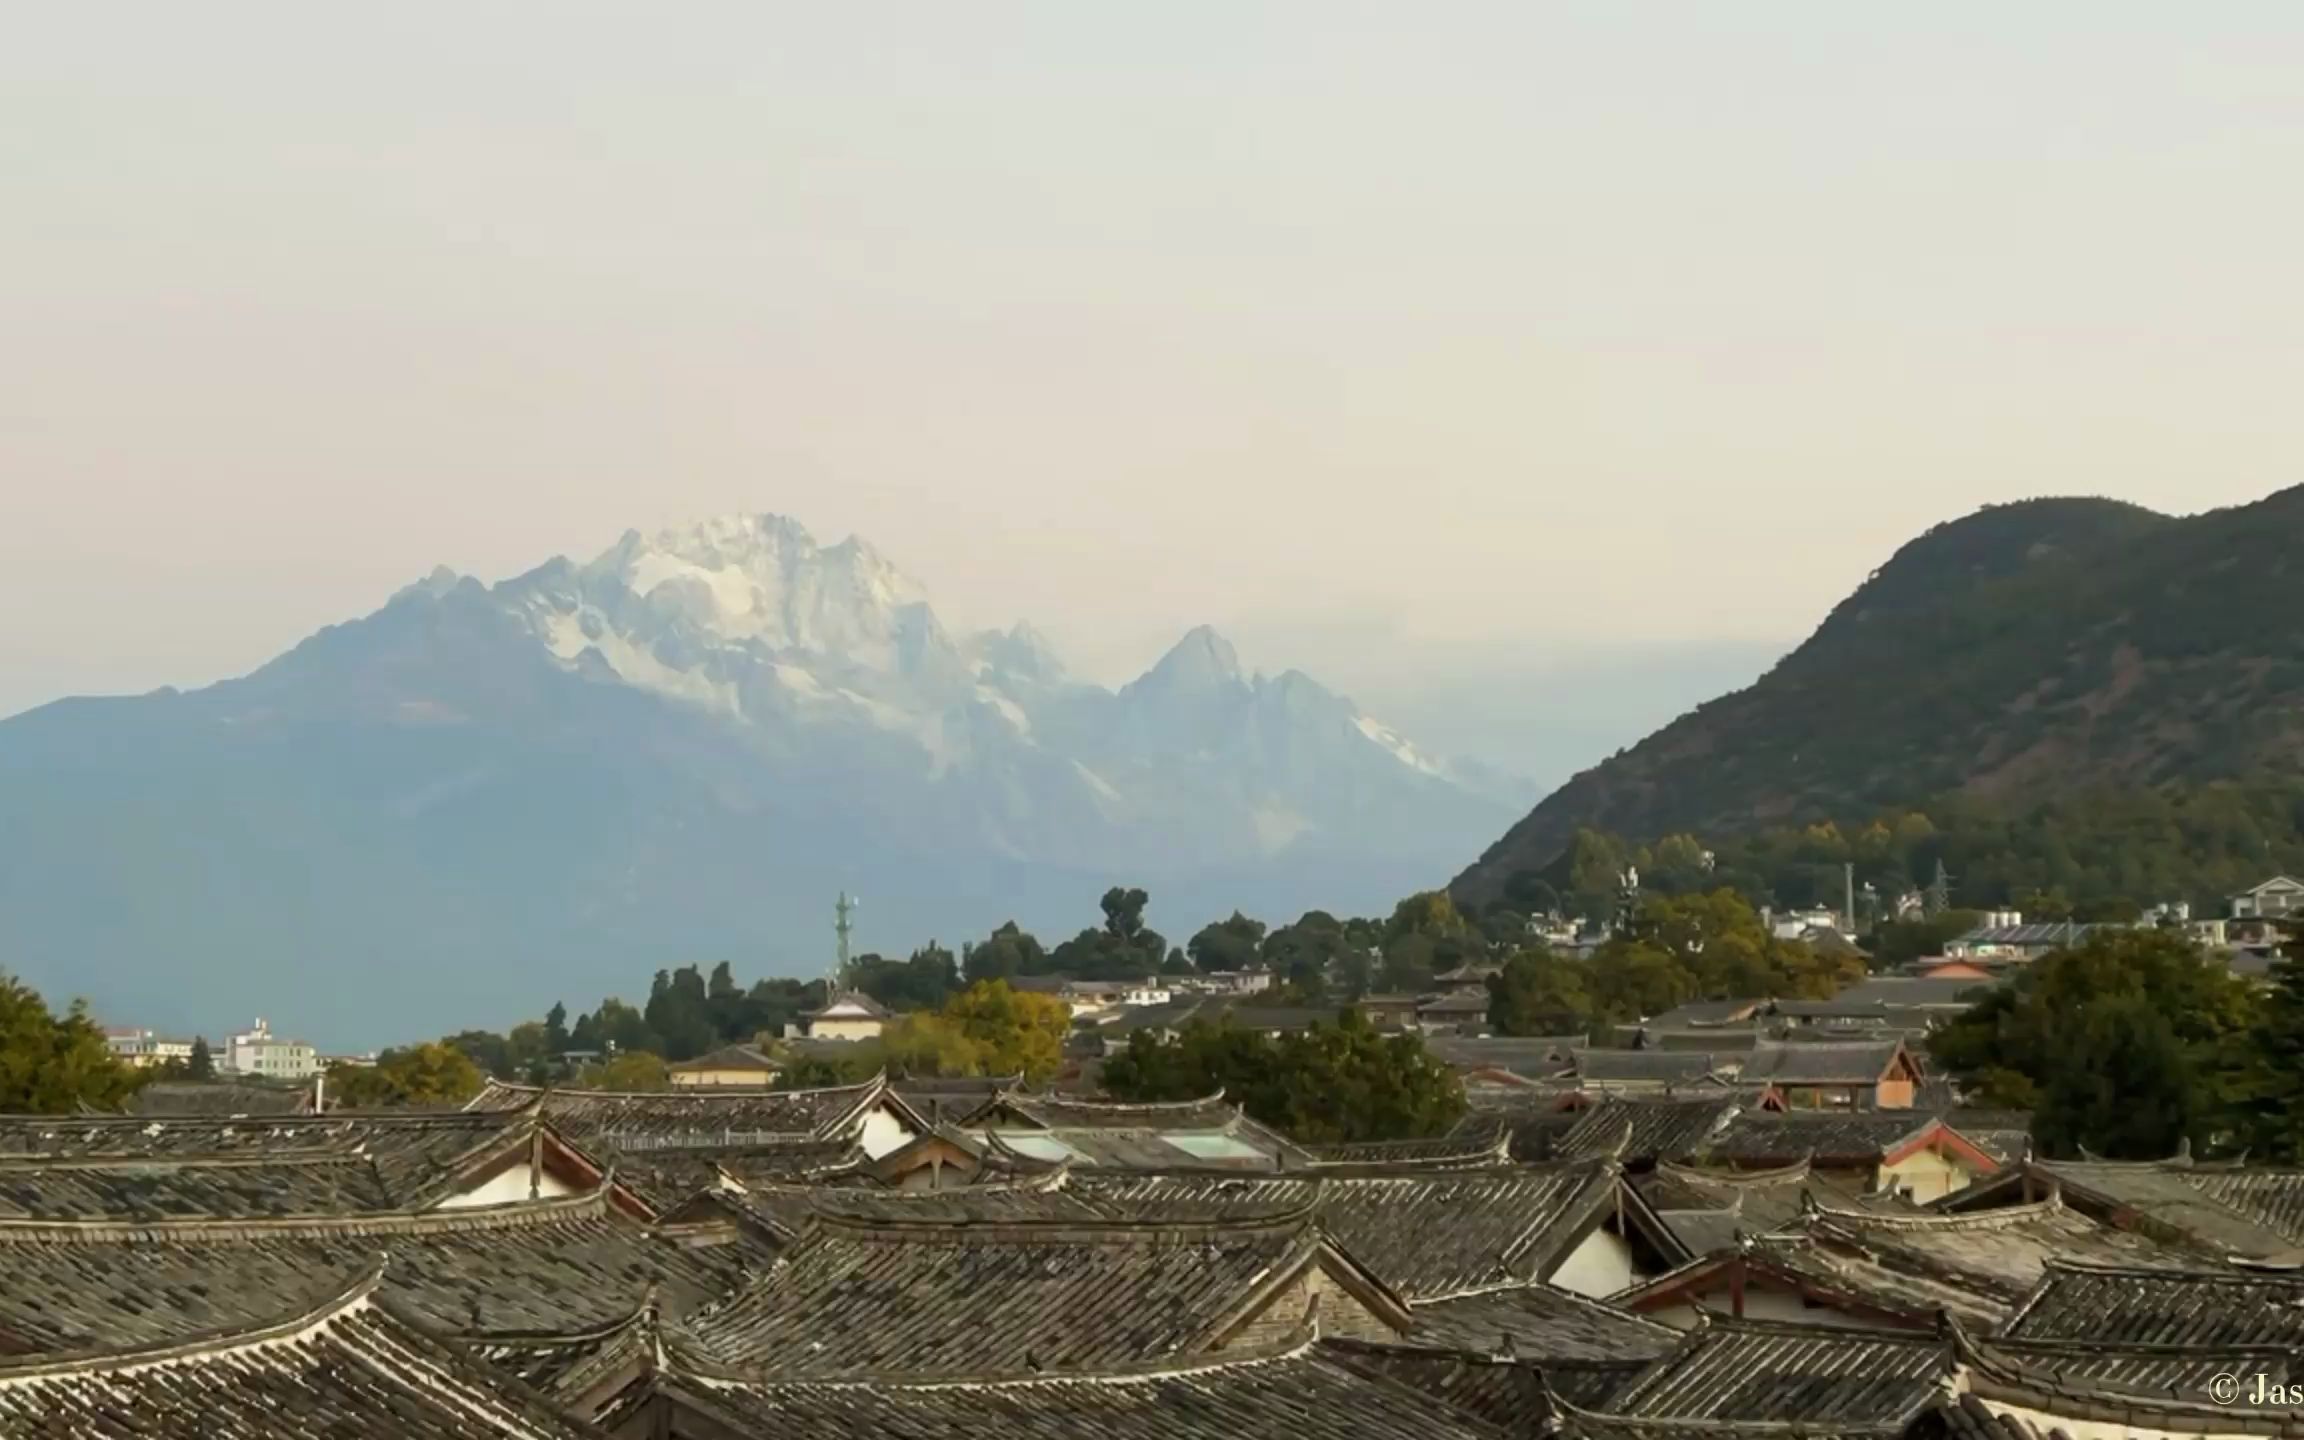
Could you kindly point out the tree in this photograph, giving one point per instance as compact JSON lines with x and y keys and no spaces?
{"x":486,"y":1049}
{"x":923,"y":1045}
{"x":1009,"y":952}
{"x":433,"y":1074}
{"x":626,"y":1070}
{"x":2272,"y":1097}
{"x":2056,"y":1031}
{"x":2122,"y":1085}
{"x":1335,"y":1082}
{"x":1124,"y":912}
{"x":920,"y":983}
{"x":1307,"y":955}
{"x":1539,"y":993}
{"x":1233,"y":944}
{"x":52,"y":1065}
{"x":679,"y":1015}
{"x":1013,"y":1031}
{"x":203,"y":1062}
{"x":556,"y":1039}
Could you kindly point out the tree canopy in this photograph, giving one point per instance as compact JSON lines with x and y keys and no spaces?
{"x":53,"y":1064}
{"x":1334,"y":1082}
{"x":437,"y":1073}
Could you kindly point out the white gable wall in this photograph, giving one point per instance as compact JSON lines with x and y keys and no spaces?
{"x":506,"y":1189}
{"x":883,"y":1132}
{"x":1599,"y":1267}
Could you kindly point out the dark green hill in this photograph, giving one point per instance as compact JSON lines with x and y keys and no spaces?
{"x":2005,"y":658}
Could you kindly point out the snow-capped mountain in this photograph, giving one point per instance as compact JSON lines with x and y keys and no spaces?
{"x":676,"y":750}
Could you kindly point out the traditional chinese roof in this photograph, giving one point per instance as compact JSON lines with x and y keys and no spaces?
{"x":730,"y":1057}
{"x":2254,"y":1213}
{"x":1836,"y":1063}
{"x":1824,"y":1376}
{"x":353,"y":1366}
{"x":1052,"y":1112}
{"x":1237,"y":1145}
{"x":1427,"y":1234}
{"x":539,"y":1264}
{"x":700,"y":1115}
{"x":1515,"y":1394}
{"x":942,"y":1297}
{"x":2139,"y":1305}
{"x":1290,"y":1389}
{"x":1828,"y":1137}
{"x":219,"y":1098}
{"x":1486,"y":1142}
{"x":1645,"y":1131}
{"x":940,"y":1098}
{"x":1595,"y":1067}
{"x":88,"y":1168}
{"x":1534,"y":1056}
{"x":1543,"y":1323}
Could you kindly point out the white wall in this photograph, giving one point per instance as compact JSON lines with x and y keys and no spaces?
{"x":1599,"y":1267}
{"x":506,"y":1189}
{"x":883,"y":1132}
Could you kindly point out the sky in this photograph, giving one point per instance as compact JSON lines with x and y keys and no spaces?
{"x":1464,"y":355}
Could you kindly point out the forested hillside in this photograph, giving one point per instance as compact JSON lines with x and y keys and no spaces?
{"x":2031,"y":656}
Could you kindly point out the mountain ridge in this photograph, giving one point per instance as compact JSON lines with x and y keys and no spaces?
{"x":2003,"y":656}
{"x":478,"y":796}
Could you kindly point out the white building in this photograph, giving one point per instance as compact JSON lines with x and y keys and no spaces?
{"x":2275,"y":899}
{"x":142,"y":1048}
{"x":260,"y":1053}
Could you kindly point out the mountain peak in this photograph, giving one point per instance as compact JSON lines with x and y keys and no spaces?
{"x":1202,"y":660}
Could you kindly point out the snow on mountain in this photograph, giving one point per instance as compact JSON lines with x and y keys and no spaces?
{"x":750,"y":618}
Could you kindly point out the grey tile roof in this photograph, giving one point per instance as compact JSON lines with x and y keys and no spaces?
{"x":1051,"y":1111}
{"x":1479,"y":1141}
{"x":2137,"y":1305}
{"x":351,"y":1367}
{"x":1534,"y":1056}
{"x":1643,"y":1131}
{"x":1651,"y":1067}
{"x":702,"y":1115}
{"x":1820,"y":1375}
{"x":1505,"y":1391}
{"x":554,"y":1263}
{"x":1921,"y":990}
{"x":1295,"y":1394}
{"x":1771,"y":1138}
{"x":1820,"y":1063}
{"x":1425,"y":1234}
{"x":729,"y":1057}
{"x":922,"y":1297}
{"x":219,"y":1098}
{"x":1543,"y":1322}
{"x":1995,"y":1255}
{"x":2251,"y":1213}
{"x":84,"y":1167}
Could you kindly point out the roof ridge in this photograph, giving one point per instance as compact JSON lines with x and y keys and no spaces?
{"x":510,"y":1215}
{"x":26,"y":1368}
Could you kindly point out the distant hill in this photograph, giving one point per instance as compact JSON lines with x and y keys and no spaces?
{"x":483,"y":797}
{"x":2007,"y":657}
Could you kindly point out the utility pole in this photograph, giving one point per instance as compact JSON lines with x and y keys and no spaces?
{"x":842,"y":927}
{"x":1848,"y":890}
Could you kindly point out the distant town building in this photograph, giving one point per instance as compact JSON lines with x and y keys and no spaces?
{"x":2275,"y":899}
{"x":259,"y":1053}
{"x":849,"y":1015}
{"x":143,"y":1048}
{"x":728,"y":1065}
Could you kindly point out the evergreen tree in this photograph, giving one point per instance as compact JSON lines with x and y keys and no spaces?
{"x":202,"y":1065}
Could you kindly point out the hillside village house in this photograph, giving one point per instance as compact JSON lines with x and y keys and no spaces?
{"x":728,"y":1065}
{"x":1837,"y":1075}
{"x":849,"y":1015}
{"x":258,"y":1052}
{"x":2275,"y":899}
{"x":143,"y":1049}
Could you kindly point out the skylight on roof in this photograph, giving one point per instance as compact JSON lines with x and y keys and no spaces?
{"x":1214,"y":1147}
{"x":1039,"y":1147}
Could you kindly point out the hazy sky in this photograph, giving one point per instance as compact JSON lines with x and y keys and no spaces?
{"x":1404,"y":341}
